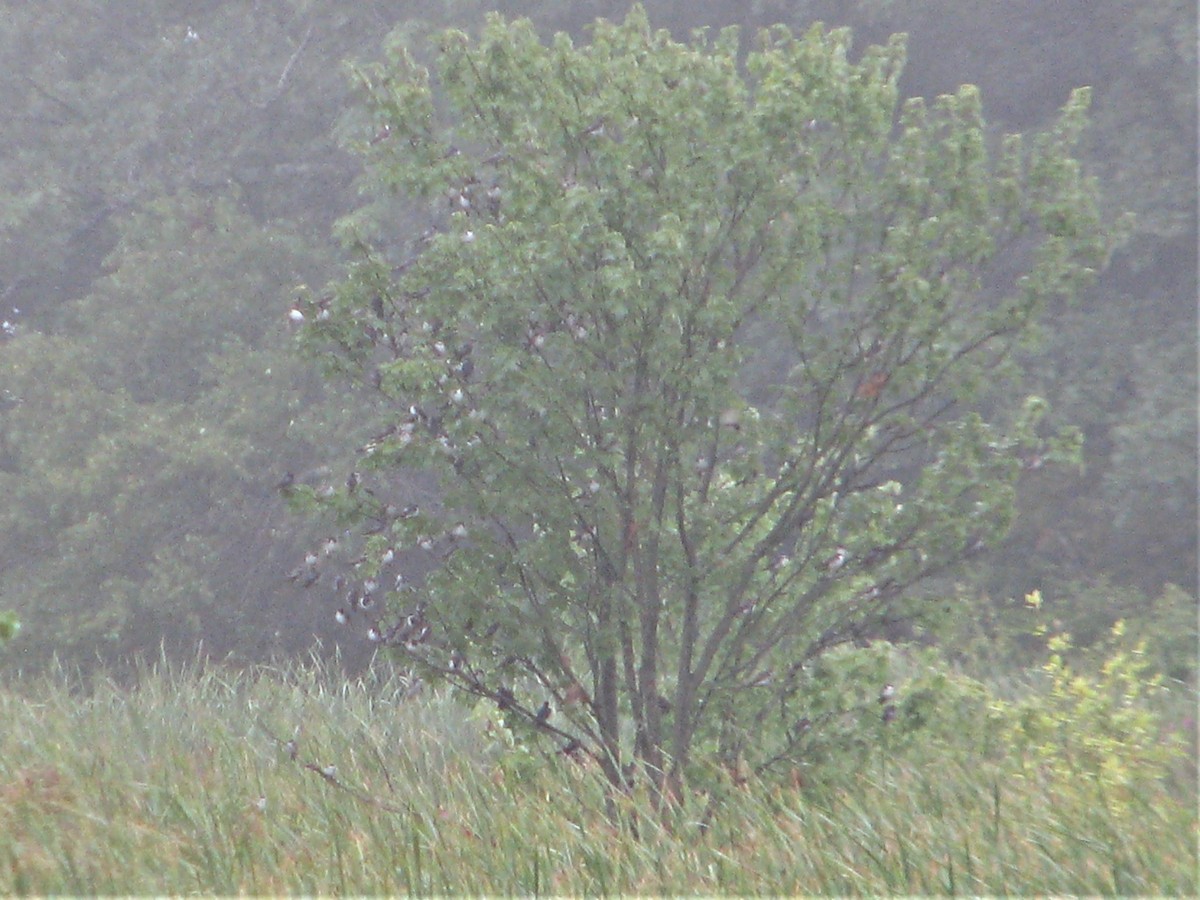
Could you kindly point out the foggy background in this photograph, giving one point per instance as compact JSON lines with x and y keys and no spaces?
{"x":170,"y":173}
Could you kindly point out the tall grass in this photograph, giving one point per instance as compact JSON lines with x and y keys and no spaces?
{"x":186,"y":783}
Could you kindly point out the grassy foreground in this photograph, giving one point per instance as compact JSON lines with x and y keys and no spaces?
{"x":187,"y":784}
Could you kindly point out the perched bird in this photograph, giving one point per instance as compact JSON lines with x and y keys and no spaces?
{"x":838,"y":559}
{"x":543,"y":713}
{"x":596,"y":129}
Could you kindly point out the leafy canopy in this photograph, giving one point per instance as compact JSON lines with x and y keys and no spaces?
{"x":699,"y":355}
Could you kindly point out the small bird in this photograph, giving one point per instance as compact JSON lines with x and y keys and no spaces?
{"x":887,"y":693}
{"x":838,"y":559}
{"x":543,"y":713}
{"x":762,"y":679}
{"x":340,"y":617}
{"x":596,"y":129}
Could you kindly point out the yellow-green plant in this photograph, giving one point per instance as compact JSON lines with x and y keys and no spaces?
{"x":1099,"y":731}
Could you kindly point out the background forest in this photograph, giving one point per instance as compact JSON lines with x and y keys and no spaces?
{"x":170,"y":176}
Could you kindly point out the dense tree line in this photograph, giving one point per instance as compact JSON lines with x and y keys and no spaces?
{"x":170,"y":176}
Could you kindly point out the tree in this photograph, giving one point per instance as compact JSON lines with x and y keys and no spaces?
{"x":636,"y":555}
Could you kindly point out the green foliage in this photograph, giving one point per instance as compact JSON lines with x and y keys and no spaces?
{"x":9,"y":626}
{"x":1100,"y":735}
{"x":625,"y":537}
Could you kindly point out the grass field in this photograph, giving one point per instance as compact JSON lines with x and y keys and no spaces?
{"x":186,"y":783}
